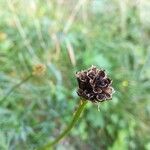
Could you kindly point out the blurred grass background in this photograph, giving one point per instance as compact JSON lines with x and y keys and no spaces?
{"x":67,"y":36}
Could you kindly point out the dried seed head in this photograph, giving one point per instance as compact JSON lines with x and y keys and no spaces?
{"x":94,"y":85}
{"x":39,"y":69}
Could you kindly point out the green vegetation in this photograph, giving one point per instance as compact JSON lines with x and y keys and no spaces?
{"x":68,"y":36}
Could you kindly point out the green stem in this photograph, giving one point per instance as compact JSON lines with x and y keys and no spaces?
{"x":14,"y":87}
{"x":49,"y":145}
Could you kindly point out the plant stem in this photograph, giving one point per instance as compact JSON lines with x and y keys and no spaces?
{"x":14,"y":87}
{"x":76,"y":116}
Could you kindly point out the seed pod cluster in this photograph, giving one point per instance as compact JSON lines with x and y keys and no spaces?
{"x":94,"y":85}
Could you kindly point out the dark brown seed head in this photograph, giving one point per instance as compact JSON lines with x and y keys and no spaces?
{"x":94,"y":85}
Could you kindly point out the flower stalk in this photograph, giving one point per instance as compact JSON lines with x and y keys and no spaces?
{"x":15,"y":87}
{"x":68,"y":128}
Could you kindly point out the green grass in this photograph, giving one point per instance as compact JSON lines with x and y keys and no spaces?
{"x":67,"y":37}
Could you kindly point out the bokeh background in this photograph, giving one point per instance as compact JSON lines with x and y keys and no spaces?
{"x":65,"y":36}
